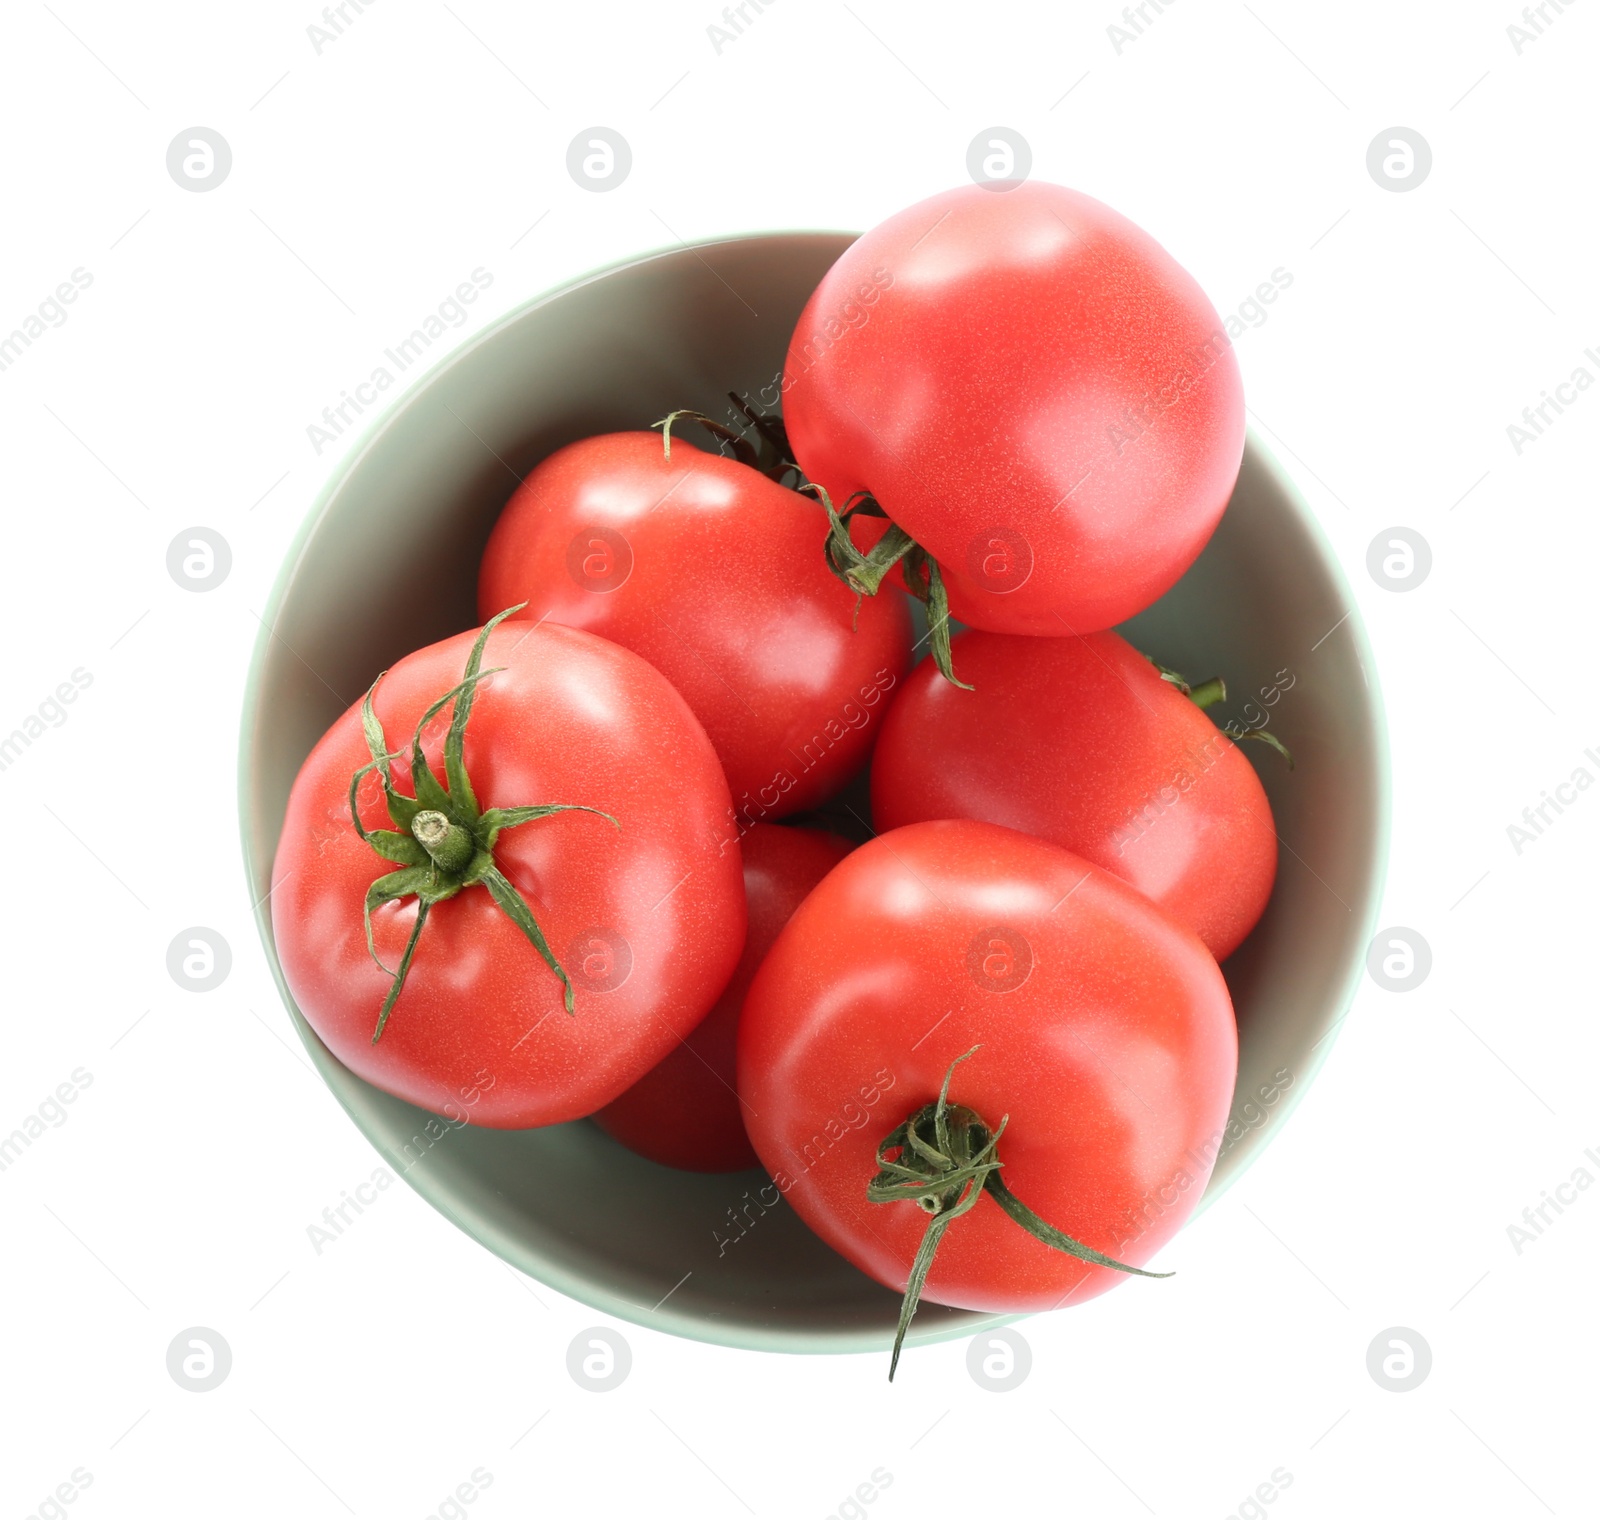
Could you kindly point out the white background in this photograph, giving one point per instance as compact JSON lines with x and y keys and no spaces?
{"x":368,"y":180}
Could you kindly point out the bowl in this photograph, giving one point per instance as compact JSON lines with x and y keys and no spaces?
{"x":386,"y":562}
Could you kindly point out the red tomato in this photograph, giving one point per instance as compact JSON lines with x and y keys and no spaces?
{"x":1034,"y":390}
{"x":714,"y":574}
{"x":1105,"y":1042}
{"x":646,"y":916}
{"x":1082,"y":742}
{"x":685,"y":1112}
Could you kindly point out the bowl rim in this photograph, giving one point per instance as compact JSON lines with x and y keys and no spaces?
{"x":694,"y":1326}
{"x":1378,"y":868}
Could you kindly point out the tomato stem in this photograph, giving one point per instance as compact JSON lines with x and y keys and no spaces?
{"x":442,"y":840}
{"x":744,"y":452}
{"x":450,"y":846}
{"x":769,"y":456}
{"x":943,"y":1158}
{"x":863,"y":571}
{"x":775,"y":455}
{"x":1208,"y":694}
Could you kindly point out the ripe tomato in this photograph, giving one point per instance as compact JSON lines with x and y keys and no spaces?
{"x":1105,"y":1043}
{"x":1034,"y":391}
{"x":643,"y":916}
{"x":1083,"y":742}
{"x":713,"y":573}
{"x":685,"y":1112}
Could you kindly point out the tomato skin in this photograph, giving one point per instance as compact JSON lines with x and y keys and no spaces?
{"x":1115,"y":1058}
{"x":685,"y":1112}
{"x":479,"y":1031}
{"x":726,"y":593}
{"x":1031,"y":387}
{"x":1081,"y":742}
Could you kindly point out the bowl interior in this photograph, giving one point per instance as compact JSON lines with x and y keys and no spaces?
{"x":387,"y":563}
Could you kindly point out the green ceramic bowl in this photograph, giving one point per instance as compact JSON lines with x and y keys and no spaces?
{"x":387,"y":562}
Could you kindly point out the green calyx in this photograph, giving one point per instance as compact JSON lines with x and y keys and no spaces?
{"x":442,"y":840}
{"x":863,"y":571}
{"x":1238,"y":732}
{"x":1208,"y":694}
{"x":769,"y":454}
{"x":942,"y":1159}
